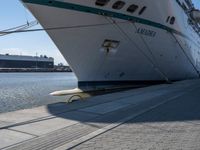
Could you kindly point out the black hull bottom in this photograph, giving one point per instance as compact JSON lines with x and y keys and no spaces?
{"x":117,"y":84}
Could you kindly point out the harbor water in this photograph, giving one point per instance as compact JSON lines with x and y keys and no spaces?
{"x":27,"y":90}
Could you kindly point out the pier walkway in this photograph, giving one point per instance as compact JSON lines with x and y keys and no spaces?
{"x":152,"y":118}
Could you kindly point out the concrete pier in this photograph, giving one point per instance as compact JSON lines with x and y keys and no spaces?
{"x":157,"y":117}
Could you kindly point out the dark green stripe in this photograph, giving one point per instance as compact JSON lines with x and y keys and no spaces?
{"x":87,"y":9}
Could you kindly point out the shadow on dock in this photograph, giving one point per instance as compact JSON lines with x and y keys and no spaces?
{"x":183,"y":108}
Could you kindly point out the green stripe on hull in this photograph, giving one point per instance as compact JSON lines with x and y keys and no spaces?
{"x":86,"y":9}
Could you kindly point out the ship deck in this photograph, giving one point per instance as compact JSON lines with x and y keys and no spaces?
{"x":157,"y":117}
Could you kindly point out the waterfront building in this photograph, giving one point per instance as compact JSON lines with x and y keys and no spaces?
{"x":16,"y":61}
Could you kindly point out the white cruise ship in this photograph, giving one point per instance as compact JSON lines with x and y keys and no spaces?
{"x":122,"y":42}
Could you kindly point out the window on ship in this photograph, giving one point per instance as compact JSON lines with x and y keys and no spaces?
{"x":132,"y":8}
{"x":102,"y":2}
{"x":118,"y":5}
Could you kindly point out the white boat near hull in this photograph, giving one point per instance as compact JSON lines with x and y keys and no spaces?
{"x":147,"y":51}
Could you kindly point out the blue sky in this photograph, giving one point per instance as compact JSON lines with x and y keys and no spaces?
{"x":197,"y":3}
{"x":12,"y":13}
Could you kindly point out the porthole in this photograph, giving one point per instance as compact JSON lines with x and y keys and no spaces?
{"x":102,"y":2}
{"x":132,"y":8}
{"x":142,"y":10}
{"x":118,"y":5}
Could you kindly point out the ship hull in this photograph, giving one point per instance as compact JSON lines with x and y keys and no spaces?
{"x":148,"y":49}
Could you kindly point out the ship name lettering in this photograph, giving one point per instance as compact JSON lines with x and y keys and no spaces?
{"x":146,"y":32}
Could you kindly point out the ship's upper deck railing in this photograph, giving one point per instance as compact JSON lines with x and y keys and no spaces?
{"x":188,"y":8}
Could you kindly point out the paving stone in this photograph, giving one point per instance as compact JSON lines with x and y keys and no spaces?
{"x":173,"y":126}
{"x":105,"y":108}
{"x":8,"y":137}
{"x":166,"y":120}
{"x":49,"y":125}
